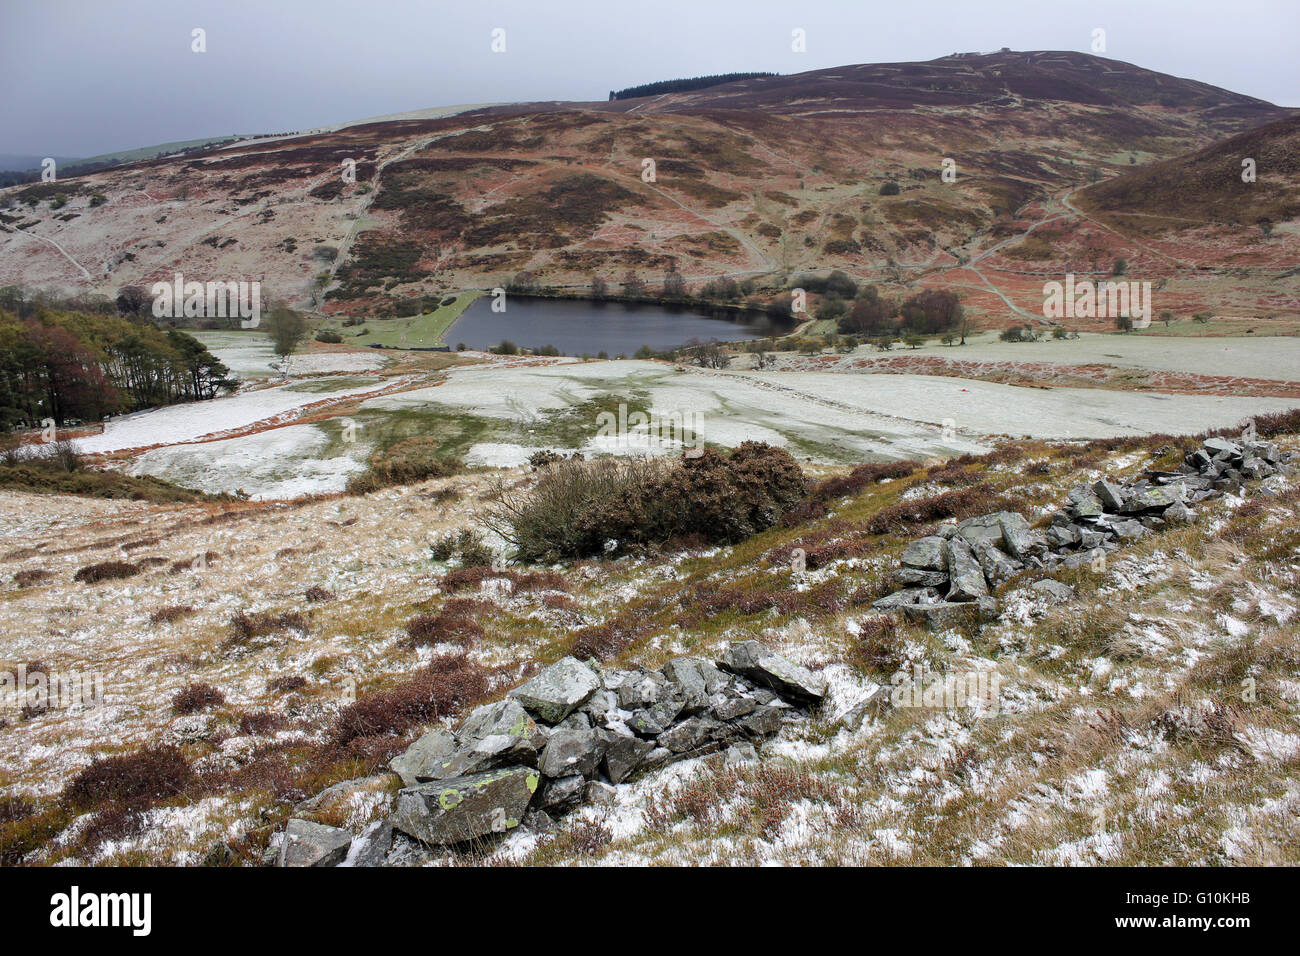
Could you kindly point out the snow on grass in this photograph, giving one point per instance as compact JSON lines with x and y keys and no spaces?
{"x":193,"y":421}
{"x":278,"y":463}
{"x":250,"y":355}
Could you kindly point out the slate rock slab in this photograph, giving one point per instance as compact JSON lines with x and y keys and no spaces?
{"x":559,"y":690}
{"x":313,"y":844}
{"x":465,"y":808}
{"x":793,"y":681}
{"x":925,"y":554}
{"x":421,"y":759}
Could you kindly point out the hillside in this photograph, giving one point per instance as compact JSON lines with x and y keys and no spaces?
{"x":265,"y":661}
{"x":757,"y":178}
{"x":1206,"y":188}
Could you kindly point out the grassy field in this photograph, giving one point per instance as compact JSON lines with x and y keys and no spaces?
{"x":418,"y":331}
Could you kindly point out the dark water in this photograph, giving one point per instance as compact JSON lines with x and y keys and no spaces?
{"x":579,"y":327}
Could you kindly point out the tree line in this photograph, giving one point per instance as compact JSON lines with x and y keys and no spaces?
{"x":68,"y":364}
{"x":683,"y":85}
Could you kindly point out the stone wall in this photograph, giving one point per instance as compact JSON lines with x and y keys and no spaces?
{"x":568,"y":736}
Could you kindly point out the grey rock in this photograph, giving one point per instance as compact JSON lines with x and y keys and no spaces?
{"x":501,"y":717}
{"x":657,"y":757}
{"x":578,"y":720}
{"x":793,"y":681}
{"x":691,"y":734}
{"x":653,"y":721}
{"x":925,"y":554}
{"x":623,"y":755}
{"x":997,"y":567}
{"x":421,"y":758}
{"x":1154,"y":499}
{"x":497,"y":750}
{"x":737,"y":754}
{"x":601,"y":703}
{"x":945,"y":615}
{"x":465,"y":808}
{"x":540,"y":821}
{"x":1052,"y":591}
{"x":1111,"y":495}
{"x":1255,"y":468}
{"x":564,"y":793}
{"x":1177,"y":513}
{"x":641,"y":689}
{"x":1221,"y":446}
{"x":991,"y":528}
{"x":1129,"y":530}
{"x":914,"y":577}
{"x":313,"y":844}
{"x":1090,"y":538}
{"x":729,"y":708}
{"x":688,"y":683}
{"x":872,"y":706}
{"x":905,"y":597}
{"x":600,"y":794}
{"x":966,"y":577}
{"x":763,"y":722}
{"x":572,"y":751}
{"x":1261,"y":449}
{"x":559,"y":690}
{"x":376,"y":842}
{"x":1065,"y":537}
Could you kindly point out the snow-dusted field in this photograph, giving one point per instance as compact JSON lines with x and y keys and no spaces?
{"x":824,"y":416}
{"x":249,"y":355}
{"x":192,"y":421}
{"x":279,"y":463}
{"x":1270,"y":357}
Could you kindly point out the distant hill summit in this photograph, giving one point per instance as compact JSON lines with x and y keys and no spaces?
{"x":965,"y":79}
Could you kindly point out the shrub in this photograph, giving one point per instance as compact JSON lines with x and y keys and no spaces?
{"x":467,"y":544}
{"x":31,"y":577}
{"x":577,"y":507}
{"x":473,"y":577}
{"x":197,"y":697}
{"x":325,"y":335}
{"x":134,"y":779}
{"x":456,"y":622}
{"x":170,"y":613}
{"x":106,"y":571}
{"x":287,"y":684}
{"x":260,"y":623}
{"x":890,"y":188}
{"x":317,"y":594}
{"x":878,"y":647}
{"x":447,"y":685}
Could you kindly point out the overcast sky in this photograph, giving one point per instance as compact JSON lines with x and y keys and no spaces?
{"x":82,"y":77}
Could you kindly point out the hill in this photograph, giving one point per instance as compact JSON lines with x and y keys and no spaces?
{"x":764,"y":178}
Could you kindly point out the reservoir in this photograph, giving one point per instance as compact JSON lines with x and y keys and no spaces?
{"x":584,"y":327}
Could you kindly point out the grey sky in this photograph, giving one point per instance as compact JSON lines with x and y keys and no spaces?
{"x":80,"y":77}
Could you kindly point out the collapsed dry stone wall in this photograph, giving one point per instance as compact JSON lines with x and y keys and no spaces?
{"x":568,"y":736}
{"x":948,"y":577}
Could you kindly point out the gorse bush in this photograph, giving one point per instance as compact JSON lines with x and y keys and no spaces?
{"x":611,"y":505}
